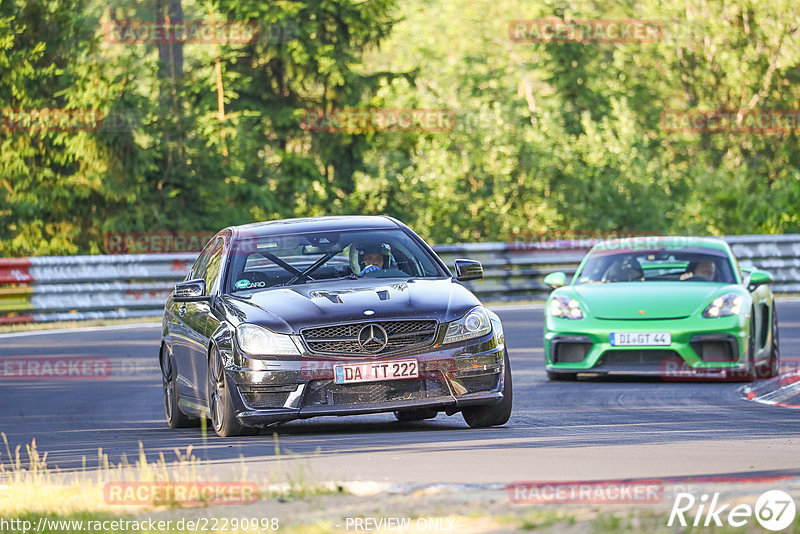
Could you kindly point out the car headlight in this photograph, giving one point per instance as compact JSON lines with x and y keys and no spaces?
{"x":565,"y":308}
{"x":475,"y":323}
{"x":728,"y":304}
{"x":259,"y":341}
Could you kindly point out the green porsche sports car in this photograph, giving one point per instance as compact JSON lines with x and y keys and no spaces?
{"x":670,"y":306}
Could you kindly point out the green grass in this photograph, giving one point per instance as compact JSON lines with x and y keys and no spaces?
{"x":32,"y":487}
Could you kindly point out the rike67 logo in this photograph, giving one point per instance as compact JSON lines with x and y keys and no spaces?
{"x":774,"y":510}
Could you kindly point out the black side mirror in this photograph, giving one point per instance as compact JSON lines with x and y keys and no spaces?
{"x":190,"y":291}
{"x":468,"y":270}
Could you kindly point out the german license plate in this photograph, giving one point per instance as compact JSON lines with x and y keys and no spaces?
{"x":633,"y":339}
{"x":348,"y":373}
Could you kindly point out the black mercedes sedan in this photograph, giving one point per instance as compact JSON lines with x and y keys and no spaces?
{"x":297,"y":318}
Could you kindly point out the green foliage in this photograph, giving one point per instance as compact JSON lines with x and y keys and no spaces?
{"x":568,"y":135}
{"x":548,"y":136}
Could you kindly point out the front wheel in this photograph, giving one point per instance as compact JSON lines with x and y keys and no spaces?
{"x":223,"y":416}
{"x":175,"y":417}
{"x":493,"y":414}
{"x":749,"y":373}
{"x":773,"y":367}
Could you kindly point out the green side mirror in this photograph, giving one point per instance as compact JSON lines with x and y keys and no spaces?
{"x":759,"y":278}
{"x":556,"y":280}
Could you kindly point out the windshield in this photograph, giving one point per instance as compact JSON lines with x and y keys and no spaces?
{"x":271,"y":261}
{"x":686,"y":265}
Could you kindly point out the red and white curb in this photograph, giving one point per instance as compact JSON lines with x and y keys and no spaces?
{"x":783,"y":390}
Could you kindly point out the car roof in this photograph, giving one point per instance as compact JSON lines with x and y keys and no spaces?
{"x":317,"y":224}
{"x":643,"y":243}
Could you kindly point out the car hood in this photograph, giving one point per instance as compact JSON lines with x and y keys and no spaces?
{"x":289,"y":309}
{"x":647,"y":300}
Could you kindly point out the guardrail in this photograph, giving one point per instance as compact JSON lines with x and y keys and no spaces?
{"x":59,"y":288}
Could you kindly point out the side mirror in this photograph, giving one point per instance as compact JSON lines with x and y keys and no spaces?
{"x":190,"y":291}
{"x":468,"y":270}
{"x":556,"y":280}
{"x":758,"y":278}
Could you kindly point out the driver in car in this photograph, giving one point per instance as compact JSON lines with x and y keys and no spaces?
{"x":374,"y":257}
{"x":704,"y":269}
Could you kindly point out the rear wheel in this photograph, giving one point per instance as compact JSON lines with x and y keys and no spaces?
{"x":493,"y":414}
{"x":415,"y":415}
{"x":223,"y":416}
{"x":561,"y":377}
{"x":175,"y":417}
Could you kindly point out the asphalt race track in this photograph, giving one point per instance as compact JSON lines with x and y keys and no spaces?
{"x":589,"y":430}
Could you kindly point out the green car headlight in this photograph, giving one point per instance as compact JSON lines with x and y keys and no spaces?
{"x":259,"y":341}
{"x":723,"y":306}
{"x":474,"y":324}
{"x":565,"y":308}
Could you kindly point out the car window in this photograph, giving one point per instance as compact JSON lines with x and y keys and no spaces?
{"x":685,"y":265}
{"x":269,"y":261}
{"x":200,"y":263}
{"x":212,"y":266}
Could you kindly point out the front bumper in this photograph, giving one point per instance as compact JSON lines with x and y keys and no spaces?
{"x":711,"y":348}
{"x":266,"y":392}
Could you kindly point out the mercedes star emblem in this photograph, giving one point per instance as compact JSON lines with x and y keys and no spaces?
{"x":373,"y":338}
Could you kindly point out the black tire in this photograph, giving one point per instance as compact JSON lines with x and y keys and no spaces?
{"x":561,"y":377}
{"x":773,"y":367}
{"x":749,"y":373}
{"x":175,"y":417}
{"x":220,"y":406}
{"x":420,"y":414}
{"x":493,"y":414}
